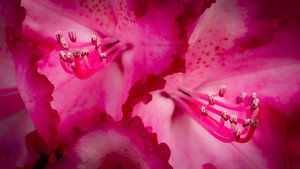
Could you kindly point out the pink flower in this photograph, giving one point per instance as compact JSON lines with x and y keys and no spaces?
{"x":130,"y":58}
{"x":249,"y":47}
{"x":135,"y":51}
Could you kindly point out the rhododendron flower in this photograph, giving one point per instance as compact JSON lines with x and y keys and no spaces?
{"x":217,"y":82}
{"x":252,"y":49}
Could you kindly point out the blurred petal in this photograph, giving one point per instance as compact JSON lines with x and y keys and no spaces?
{"x":10,"y":102}
{"x":95,"y":140}
{"x":13,"y":150}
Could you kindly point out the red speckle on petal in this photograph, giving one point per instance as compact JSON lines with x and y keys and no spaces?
{"x":208,"y":166}
{"x":217,"y":48}
{"x":139,"y":7}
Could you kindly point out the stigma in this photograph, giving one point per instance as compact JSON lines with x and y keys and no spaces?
{"x":83,"y":59}
{"x":228,"y":121}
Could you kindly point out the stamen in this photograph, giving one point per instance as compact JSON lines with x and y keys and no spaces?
{"x":63,"y":43}
{"x":254,"y":122}
{"x":254,"y":105}
{"x":103,"y":58}
{"x":203,"y":110}
{"x":246,"y":122}
{"x":58,"y":36}
{"x":70,"y":57}
{"x":224,"y":116}
{"x":76,"y":53}
{"x":72,"y":36}
{"x":85,"y":59}
{"x":233,"y":119}
{"x":241,"y":98}
{"x":94,"y":40}
{"x":211,"y":99}
{"x":253,"y":96}
{"x":238,"y":134}
{"x":63,"y":55}
{"x":212,"y":113}
{"x":222,"y":90}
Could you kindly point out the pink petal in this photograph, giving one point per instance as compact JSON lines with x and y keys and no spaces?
{"x":247,"y":42}
{"x":10,"y":102}
{"x":43,"y":116}
{"x":13,"y":150}
{"x":242,"y":53}
{"x":101,"y":142}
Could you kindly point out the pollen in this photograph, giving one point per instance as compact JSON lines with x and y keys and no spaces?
{"x":84,"y":59}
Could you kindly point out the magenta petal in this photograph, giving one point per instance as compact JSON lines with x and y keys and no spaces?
{"x":25,"y":56}
{"x":37,"y":103}
{"x":13,"y":150}
{"x":7,"y":98}
{"x":255,"y":49}
{"x":105,"y":143}
{"x":241,"y":44}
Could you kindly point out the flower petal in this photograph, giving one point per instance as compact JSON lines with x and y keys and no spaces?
{"x":44,"y":118}
{"x":242,"y":53}
{"x":13,"y":150}
{"x":241,"y":44}
{"x":104,"y":143}
{"x":7,"y":98}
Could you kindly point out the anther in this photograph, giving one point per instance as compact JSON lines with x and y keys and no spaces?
{"x":76,"y":53}
{"x":69,"y":57}
{"x":72,"y":36}
{"x":97,"y":46}
{"x":224,"y":116}
{"x":203,"y":110}
{"x":253,"y":96}
{"x":58,"y":36}
{"x":103,"y":57}
{"x":254,"y":122}
{"x":241,"y":98}
{"x":238,"y":134}
{"x":233,"y":119}
{"x":211,"y":99}
{"x":94,"y":40}
{"x":84,"y":52}
{"x":246,"y":122}
{"x":63,"y":43}
{"x":254,"y":105}
{"x":63,"y":55}
{"x":222,"y":90}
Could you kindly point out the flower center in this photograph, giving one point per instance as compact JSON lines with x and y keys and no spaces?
{"x":83,"y":59}
{"x":226,"y":121}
